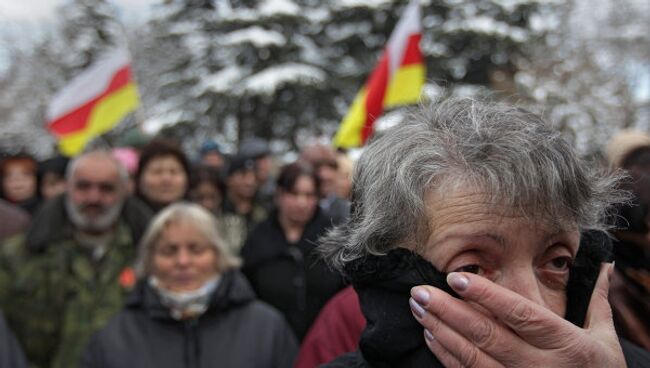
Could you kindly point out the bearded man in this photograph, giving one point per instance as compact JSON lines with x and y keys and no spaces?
{"x":71,"y":271}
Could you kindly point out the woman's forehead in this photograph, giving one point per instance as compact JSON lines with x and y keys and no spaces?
{"x":480,"y":209}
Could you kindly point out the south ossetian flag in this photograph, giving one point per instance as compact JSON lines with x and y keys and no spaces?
{"x":396,"y":80}
{"x":94,"y":102}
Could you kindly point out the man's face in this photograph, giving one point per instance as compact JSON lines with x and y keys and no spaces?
{"x":95,"y":194}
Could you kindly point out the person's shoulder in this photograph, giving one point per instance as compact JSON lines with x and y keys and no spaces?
{"x":635,"y":357}
{"x":263,"y":312}
{"x":348,"y":360}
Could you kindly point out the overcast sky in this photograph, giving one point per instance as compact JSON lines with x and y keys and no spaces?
{"x":34,"y":12}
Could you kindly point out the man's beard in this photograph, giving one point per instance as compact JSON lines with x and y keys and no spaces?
{"x":102,"y":222}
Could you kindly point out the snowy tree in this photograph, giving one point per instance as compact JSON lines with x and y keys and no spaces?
{"x":278,"y":68}
{"x":586,"y":74}
{"x":85,"y":29}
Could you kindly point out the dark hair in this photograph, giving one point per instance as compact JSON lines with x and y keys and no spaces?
{"x":201,"y":174}
{"x":290,"y":173}
{"x":57,"y":165}
{"x":160,"y":148}
{"x":22,"y":159}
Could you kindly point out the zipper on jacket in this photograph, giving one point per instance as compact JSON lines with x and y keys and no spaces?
{"x":192,"y":349}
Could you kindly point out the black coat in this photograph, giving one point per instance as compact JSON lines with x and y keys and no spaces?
{"x":235,"y":331}
{"x":393,"y":338}
{"x":290,"y":277}
{"x":11,"y":354}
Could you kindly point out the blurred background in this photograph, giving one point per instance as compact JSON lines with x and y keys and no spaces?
{"x":287,"y":70}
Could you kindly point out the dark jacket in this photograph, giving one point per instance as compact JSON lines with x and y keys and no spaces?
{"x":393,"y":338}
{"x":235,"y":331}
{"x":14,"y":220}
{"x":11,"y":355}
{"x":290,"y":277}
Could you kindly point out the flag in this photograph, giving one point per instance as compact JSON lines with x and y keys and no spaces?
{"x":396,"y":80}
{"x":93,"y":103}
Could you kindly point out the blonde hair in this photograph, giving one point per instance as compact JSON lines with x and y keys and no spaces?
{"x":186,"y":213}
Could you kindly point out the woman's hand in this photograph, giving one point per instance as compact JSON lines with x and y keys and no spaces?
{"x":512,"y":331}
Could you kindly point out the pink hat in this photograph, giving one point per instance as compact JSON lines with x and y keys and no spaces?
{"x":128,"y":157}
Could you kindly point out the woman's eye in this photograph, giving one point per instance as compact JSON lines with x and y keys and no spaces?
{"x":560,"y":263}
{"x":470,"y":268}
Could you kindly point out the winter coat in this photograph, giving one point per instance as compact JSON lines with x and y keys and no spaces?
{"x":290,"y":277}
{"x":235,"y":227}
{"x":54,"y":294}
{"x":336,"y":331}
{"x":393,"y":338}
{"x":11,"y":355}
{"x":235,"y":331}
{"x":14,"y":220}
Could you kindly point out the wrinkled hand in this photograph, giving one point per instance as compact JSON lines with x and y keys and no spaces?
{"x":513,"y":331}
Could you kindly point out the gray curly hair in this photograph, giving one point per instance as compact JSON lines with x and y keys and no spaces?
{"x":513,"y":155}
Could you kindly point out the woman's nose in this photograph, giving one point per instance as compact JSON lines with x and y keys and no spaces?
{"x":523,"y":281}
{"x":183,"y":257}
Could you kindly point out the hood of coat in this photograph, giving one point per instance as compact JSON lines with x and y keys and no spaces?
{"x":393,"y":338}
{"x":233,"y":291}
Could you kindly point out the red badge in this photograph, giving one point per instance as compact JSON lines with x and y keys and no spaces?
{"x":127,"y":277}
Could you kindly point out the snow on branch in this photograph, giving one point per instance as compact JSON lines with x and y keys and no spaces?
{"x":255,"y":35}
{"x":269,"y":80}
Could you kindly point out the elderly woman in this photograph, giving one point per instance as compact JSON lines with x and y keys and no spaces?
{"x":191,"y":307}
{"x":487,"y":219}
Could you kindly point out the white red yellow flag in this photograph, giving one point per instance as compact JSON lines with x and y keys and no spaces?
{"x":396,"y":80}
{"x":94,"y":102}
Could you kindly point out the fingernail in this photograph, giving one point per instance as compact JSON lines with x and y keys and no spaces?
{"x":416,"y":308}
{"x":421,"y":295}
{"x":428,"y":335}
{"x":457,"y":281}
{"x":610,"y":271}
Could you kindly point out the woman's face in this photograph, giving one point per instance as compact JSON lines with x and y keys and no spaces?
{"x":18,"y":182}
{"x":298,"y":205}
{"x":183,"y":259}
{"x":207,"y":195}
{"x":163,"y":180}
{"x":527,"y":257}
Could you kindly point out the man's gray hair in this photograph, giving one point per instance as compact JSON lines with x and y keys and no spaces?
{"x":99,"y":153}
{"x":185,"y":213}
{"x":513,"y":156}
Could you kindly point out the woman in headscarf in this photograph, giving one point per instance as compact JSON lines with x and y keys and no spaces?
{"x":476,"y":239}
{"x":191,"y":306}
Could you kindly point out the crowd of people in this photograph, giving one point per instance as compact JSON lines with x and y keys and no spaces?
{"x":147,"y":256}
{"x":78,"y":229}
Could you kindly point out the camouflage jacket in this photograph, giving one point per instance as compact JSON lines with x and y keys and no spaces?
{"x":56,"y":299}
